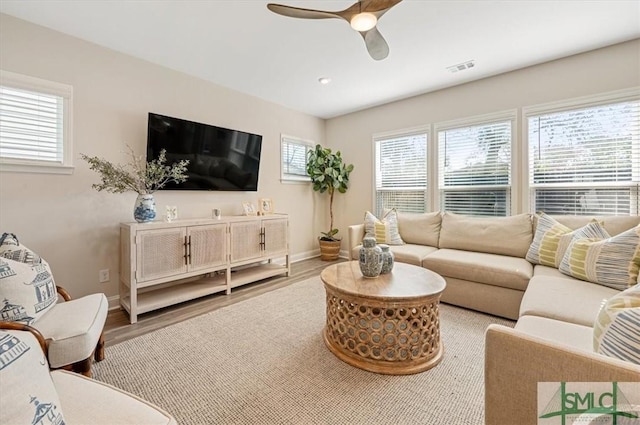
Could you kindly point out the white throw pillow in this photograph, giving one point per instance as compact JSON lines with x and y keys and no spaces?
{"x":28,"y":393}
{"x":616,"y":332}
{"x":27,"y":288}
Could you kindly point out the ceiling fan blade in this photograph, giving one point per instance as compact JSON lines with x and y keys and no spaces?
{"x":298,"y":12}
{"x":376,"y":44}
{"x":378,"y":7}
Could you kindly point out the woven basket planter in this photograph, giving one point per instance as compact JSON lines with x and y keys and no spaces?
{"x":329,"y":250}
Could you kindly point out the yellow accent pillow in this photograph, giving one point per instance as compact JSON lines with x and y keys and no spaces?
{"x":385,"y":230}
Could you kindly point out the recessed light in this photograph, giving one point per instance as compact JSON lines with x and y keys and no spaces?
{"x":324,"y":80}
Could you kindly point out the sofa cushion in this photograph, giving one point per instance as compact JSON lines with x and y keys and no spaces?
{"x":384,"y":230}
{"x":490,"y":269}
{"x":612,"y":262}
{"x":28,"y":395}
{"x":420,"y":229}
{"x":73,"y":328}
{"x":564,"y":298}
{"x":112,"y":405}
{"x":27,"y":288}
{"x":616,"y":332}
{"x":552,"y":239}
{"x":576,"y":336}
{"x":487,"y":234}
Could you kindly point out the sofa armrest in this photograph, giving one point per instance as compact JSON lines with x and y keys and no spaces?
{"x":356,"y":233}
{"x":515,"y":362}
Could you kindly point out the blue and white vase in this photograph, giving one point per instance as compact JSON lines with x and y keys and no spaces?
{"x":145,"y":209}
{"x":370,"y":258}
{"x":387,"y":259}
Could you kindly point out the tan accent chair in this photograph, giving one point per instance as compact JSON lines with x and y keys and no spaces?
{"x":72,"y":330}
{"x":80,"y":400}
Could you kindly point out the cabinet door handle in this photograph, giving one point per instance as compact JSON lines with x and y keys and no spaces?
{"x":189,"y":251}
{"x":185,"y":250}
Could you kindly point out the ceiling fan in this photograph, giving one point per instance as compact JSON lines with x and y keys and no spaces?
{"x":362,"y":15}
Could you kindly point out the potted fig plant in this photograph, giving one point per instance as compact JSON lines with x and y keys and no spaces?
{"x":328,"y":174}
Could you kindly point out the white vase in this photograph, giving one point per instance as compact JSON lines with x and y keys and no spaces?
{"x":145,"y":208}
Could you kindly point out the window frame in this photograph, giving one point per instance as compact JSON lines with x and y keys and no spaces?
{"x":65,"y":91}
{"x":307,"y":144}
{"x":565,"y":105}
{"x":510,"y":115}
{"x":425,"y":130}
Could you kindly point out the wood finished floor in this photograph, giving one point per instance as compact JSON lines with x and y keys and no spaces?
{"x":118,"y":328}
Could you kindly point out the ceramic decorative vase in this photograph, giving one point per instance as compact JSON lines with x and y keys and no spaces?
{"x":370,"y":258}
{"x":145,"y":209}
{"x":387,"y":259}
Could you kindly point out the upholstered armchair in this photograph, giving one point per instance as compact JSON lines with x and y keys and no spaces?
{"x":71,"y":328}
{"x":72,"y":331}
{"x":33,"y":394}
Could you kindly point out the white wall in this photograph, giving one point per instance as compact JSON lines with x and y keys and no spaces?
{"x":74,"y":227}
{"x":608,"y":69}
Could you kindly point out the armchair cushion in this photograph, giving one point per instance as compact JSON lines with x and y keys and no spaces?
{"x":73,"y":328}
{"x":108,"y":405}
{"x":28,"y":394}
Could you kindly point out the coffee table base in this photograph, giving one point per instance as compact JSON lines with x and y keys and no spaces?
{"x":388,"y":338}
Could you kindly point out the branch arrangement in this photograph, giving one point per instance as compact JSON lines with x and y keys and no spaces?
{"x":136,"y":175}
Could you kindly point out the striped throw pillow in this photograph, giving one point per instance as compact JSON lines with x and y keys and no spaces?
{"x":552,"y":239}
{"x":616,"y":332}
{"x":612,"y":262}
{"x":385,"y":230}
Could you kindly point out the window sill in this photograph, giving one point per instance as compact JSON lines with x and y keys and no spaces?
{"x":36,"y":168}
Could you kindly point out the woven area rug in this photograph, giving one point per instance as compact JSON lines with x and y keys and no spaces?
{"x":263,"y":361}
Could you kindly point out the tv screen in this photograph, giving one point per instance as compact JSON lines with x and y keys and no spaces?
{"x":219,"y":158}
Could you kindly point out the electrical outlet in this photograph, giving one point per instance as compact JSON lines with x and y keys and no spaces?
{"x":103,"y":276}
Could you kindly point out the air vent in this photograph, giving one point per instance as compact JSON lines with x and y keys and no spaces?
{"x":461,"y":66}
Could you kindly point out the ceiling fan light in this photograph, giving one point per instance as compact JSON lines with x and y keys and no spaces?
{"x":363,"y":21}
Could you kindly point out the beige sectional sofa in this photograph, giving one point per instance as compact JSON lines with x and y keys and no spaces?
{"x":483,"y":262}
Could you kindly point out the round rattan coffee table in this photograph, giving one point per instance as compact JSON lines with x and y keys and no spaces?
{"x":389,"y":324}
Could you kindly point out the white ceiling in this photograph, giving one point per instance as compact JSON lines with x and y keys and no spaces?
{"x":241,"y":45}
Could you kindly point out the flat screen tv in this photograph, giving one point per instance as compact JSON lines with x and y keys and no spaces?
{"x":219,"y":158}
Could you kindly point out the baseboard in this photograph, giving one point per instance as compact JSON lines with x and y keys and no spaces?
{"x":113,"y":302}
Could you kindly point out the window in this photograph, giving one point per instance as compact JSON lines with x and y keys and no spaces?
{"x":401,"y":173}
{"x":585,"y":160}
{"x":35,"y":124}
{"x":294,"y":158}
{"x":474,"y":167}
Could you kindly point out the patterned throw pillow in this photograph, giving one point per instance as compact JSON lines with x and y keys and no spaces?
{"x":385,"y":230}
{"x":27,"y":288}
{"x":612,"y":262}
{"x":28,"y":394}
{"x":552,"y":239}
{"x":616,"y":332}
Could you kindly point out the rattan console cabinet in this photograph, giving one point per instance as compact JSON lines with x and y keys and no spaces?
{"x":162,"y":263}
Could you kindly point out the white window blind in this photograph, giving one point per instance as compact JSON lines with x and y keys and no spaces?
{"x":586,"y":161}
{"x":294,"y":158}
{"x":34,"y":123}
{"x":401,"y":173}
{"x":475,"y":169}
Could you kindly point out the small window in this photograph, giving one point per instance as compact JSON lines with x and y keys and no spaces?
{"x":294,"y":158}
{"x":475,"y":168}
{"x":35,"y":125}
{"x":401,"y":173}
